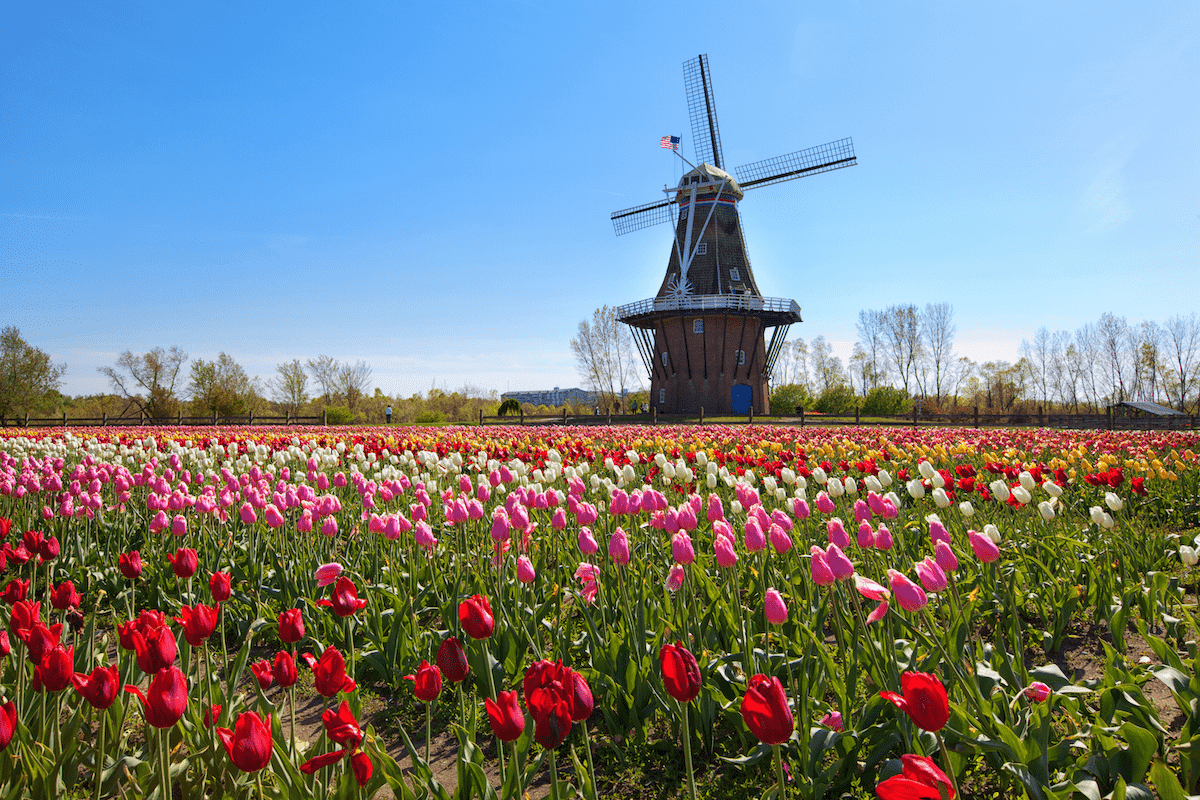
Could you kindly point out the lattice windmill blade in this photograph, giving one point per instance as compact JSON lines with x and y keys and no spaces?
{"x":702,"y":109}
{"x":800,"y":164}
{"x":643,"y":216}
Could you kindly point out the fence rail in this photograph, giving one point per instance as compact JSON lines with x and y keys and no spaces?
{"x":178,"y":420}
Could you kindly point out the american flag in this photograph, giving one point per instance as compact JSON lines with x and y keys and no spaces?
{"x":669,"y":142}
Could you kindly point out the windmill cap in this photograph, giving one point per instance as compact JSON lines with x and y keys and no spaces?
{"x":709,"y":179}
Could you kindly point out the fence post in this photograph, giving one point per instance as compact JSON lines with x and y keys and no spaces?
{"x":179,"y":416}
{"x":251,"y":416}
{"x":857,"y":411}
{"x":916,"y":405}
{"x":289,"y":417}
{"x":701,"y":415}
{"x":325,"y":417}
{"x":977,"y":416}
{"x":104,"y":419}
{"x":481,"y":416}
{"x":801,"y":409}
{"x":64,"y":419}
{"x":522,"y":416}
{"x":1041,"y":420}
{"x":564,"y":415}
{"x":141,"y":417}
{"x":609,"y":418}
{"x":751,"y":422}
{"x":214,"y":419}
{"x":1109,"y":412}
{"x":653,"y":415}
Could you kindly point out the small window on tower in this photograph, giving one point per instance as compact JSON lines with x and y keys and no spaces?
{"x":664,"y":355}
{"x":702,"y":249}
{"x":741,"y":356}
{"x":698,"y":326}
{"x":735,"y":274}
{"x":662,"y":395}
{"x":683,"y":214}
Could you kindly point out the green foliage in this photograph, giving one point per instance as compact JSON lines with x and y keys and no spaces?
{"x":510,"y":406}
{"x":27,"y":376}
{"x":837,"y":400}
{"x":430,"y":416}
{"x":338,"y":415}
{"x":885,"y":401}
{"x":787,"y":398}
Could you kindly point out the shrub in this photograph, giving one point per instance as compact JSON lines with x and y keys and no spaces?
{"x":837,"y":400}
{"x":786,"y":398}
{"x":886,"y":401}
{"x":338,"y":415}
{"x":510,"y":406}
{"x":431,"y":417}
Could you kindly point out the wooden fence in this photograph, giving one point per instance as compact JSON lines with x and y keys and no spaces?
{"x":141,"y":419}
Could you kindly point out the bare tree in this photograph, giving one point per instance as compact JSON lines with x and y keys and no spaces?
{"x":1182,"y":345}
{"x":352,"y":381}
{"x":800,"y":363}
{"x":1061,"y":380}
{"x":937,"y":335}
{"x":27,"y":375}
{"x":1081,"y":360}
{"x":604,"y":355}
{"x":155,"y":372}
{"x":289,"y":385}
{"x":1112,"y":336}
{"x":871,"y":325}
{"x":902,"y":341}
{"x":1146,"y":341}
{"x":324,"y":370}
{"x":1037,"y":354}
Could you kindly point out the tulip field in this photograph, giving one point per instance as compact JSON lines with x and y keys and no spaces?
{"x":774,"y":611}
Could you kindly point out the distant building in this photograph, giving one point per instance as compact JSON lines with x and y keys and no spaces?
{"x":552,"y":397}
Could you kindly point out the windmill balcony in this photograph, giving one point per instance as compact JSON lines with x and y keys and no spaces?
{"x":781,"y":309}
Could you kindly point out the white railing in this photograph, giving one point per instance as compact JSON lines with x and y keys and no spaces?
{"x":710,"y":302}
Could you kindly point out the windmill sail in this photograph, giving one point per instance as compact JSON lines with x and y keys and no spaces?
{"x":799,"y":164}
{"x":702,"y":108}
{"x":643,"y":216}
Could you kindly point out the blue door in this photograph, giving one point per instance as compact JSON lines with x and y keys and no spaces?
{"x":740,"y":397}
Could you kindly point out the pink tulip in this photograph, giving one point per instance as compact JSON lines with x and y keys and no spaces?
{"x":800,"y":508}
{"x":870,"y":589}
{"x":687,"y":518}
{"x":423,"y":536}
{"x":781,"y":519}
{"x":726,"y":554}
{"x":716,"y":510}
{"x":327,"y":573}
{"x":681,"y":549}
{"x":821,"y":574}
{"x":274,"y":518}
{"x":930,"y":574}
{"x":862,"y":512}
{"x":883,"y":538}
{"x":619,"y":504}
{"x":879,"y":613}
{"x":559,"y":520}
{"x":159,"y":523}
{"x":824,"y":504}
{"x":247,"y":514}
{"x":754,"y":538}
{"x":779,"y":539}
{"x":1037,"y":691}
{"x":832,"y":720}
{"x":179,"y":525}
{"x":587,"y":542}
{"x":909,"y":595}
{"x":866,"y":536}
{"x":500,"y":525}
{"x":525,"y":571}
{"x":675,"y":578}
{"x":985,"y":549}
{"x":841,"y":566}
{"x":723,"y":528}
{"x":945,"y":557}
{"x":774,"y":607}
{"x":618,"y":547}
{"x":837,"y":532}
{"x":329,"y":526}
{"x":938,"y":532}
{"x":391,"y":527}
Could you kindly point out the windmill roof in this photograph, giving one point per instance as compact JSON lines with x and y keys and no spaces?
{"x":710,"y":177}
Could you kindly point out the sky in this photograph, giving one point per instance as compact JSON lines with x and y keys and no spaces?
{"x":427,"y":187}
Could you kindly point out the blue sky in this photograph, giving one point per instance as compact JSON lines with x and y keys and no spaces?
{"x":427,"y":187}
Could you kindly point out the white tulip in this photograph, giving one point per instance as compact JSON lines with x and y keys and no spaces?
{"x":835,"y":488}
{"x":915,"y":489}
{"x":801,"y":482}
{"x":940,"y":498}
{"x":873,"y":485}
{"x":659,"y":459}
{"x":850,"y":485}
{"x":1022,"y":494}
{"x":800,"y":494}
{"x":769,"y":484}
{"x":819,"y":475}
{"x":999,"y":490}
{"x":781,"y":494}
{"x":668,"y":471}
{"x":1188,"y":555}
{"x":926,"y":469}
{"x":1027,"y":480}
{"x":992,"y":532}
{"x":787,"y":476}
{"x":712,"y":468}
{"x":736,"y":506}
{"x":701,"y":458}
{"x":893,"y":498}
{"x":1096,"y":514}
{"x":1046,"y":509}
{"x":627,"y":473}
{"x":1113,"y":502}
{"x":966,"y":508}
{"x":1053,"y":489}
{"x":885,"y":477}
{"x":711,"y":480}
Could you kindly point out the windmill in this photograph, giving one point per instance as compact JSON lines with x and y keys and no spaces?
{"x":703,"y":336}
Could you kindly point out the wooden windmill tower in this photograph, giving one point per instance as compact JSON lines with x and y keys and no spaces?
{"x":703,"y":336}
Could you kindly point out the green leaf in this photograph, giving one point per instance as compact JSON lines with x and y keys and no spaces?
{"x":1142,"y":747}
{"x":754,"y":757}
{"x":1165,"y":782}
{"x":1022,"y":774}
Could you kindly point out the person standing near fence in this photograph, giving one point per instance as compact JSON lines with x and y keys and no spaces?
{"x":388,"y":413}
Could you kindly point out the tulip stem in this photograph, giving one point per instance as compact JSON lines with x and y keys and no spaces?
{"x":517,"y":770}
{"x":687,"y":753}
{"x":553,"y":775}
{"x":492,"y":691}
{"x":946,"y":762}
{"x":428,"y":728}
{"x":782,"y":793}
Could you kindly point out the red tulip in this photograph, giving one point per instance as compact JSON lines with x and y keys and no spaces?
{"x":475,"y":614}
{"x":156,"y":649}
{"x":341,"y":727}
{"x":765,"y":710}
{"x":361,"y":764}
{"x":25,"y":613}
{"x":14,"y":591}
{"x":64,"y":596}
{"x":923,"y":698}
{"x":284,"y":669}
{"x":428,"y":682}
{"x":681,"y":674}
{"x":920,"y":778}
{"x":40,"y":639}
{"x":8,"y":723}
{"x":5,"y":646}
{"x":329,"y":676}
{"x":100,"y":688}
{"x":221,"y":586}
{"x":49,"y":549}
{"x":262,"y":671}
{"x":56,"y":670}
{"x":33,"y":541}
{"x":344,"y":598}
{"x":211,"y":714}
{"x":184,"y":563}
{"x":249,"y":743}
{"x":551,"y":714}
{"x":198,"y":623}
{"x":291,"y":626}
{"x":581,"y":698}
{"x":452,"y":660}
{"x":130,"y":564}
{"x":504,"y":714}
{"x":166,"y":698}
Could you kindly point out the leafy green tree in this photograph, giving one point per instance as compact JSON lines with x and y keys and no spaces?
{"x":886,"y":401}
{"x":839,"y":399}
{"x":221,"y":387}
{"x":28,"y":378}
{"x":787,"y":398}
{"x":289,"y":386}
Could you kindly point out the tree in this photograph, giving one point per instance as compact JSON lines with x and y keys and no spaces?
{"x":324,"y":370}
{"x":871,"y":335}
{"x":1182,"y":345}
{"x":221,"y":387}
{"x":937,"y":337}
{"x":27,"y":375}
{"x":155,"y":372}
{"x":290,"y":385}
{"x":352,"y":381}
{"x":1112,"y":336}
{"x":902,"y":340}
{"x":604,"y":355}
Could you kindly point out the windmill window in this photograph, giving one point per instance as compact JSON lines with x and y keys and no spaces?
{"x":735,"y":274}
{"x":740,"y":355}
{"x":702,"y":249}
{"x":698,"y":326}
{"x":683,"y":214}
{"x":662,"y":396}
{"x":664,"y":355}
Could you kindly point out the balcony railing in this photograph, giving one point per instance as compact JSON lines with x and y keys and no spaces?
{"x":710,"y":302}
